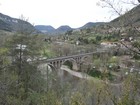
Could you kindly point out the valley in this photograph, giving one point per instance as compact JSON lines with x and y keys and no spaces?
{"x":95,"y":64}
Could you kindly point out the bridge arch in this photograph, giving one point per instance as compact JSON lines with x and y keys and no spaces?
{"x":50,"y":66}
{"x":71,"y":63}
{"x":49,"y":73}
{"x":47,"y":69}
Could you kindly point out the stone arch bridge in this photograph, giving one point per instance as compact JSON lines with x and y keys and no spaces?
{"x":57,"y":62}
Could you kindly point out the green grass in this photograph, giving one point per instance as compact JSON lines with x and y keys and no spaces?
{"x":47,"y":53}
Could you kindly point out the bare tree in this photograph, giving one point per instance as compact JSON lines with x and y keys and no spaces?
{"x":118,"y":6}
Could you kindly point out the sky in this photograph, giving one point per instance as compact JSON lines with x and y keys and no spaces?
{"x":74,"y":13}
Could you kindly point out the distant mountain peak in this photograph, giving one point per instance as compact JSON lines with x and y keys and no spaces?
{"x":64,"y":28}
{"x":47,"y":29}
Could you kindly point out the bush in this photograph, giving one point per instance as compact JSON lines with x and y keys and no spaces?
{"x":95,"y":73}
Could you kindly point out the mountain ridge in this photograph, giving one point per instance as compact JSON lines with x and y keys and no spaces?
{"x":64,"y":28}
{"x":131,"y":17}
{"x":90,"y":25}
{"x":11,"y":24}
{"x":45,"y":28}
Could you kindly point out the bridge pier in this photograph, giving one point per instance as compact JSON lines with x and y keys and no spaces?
{"x":75,"y":67}
{"x":60,"y":72}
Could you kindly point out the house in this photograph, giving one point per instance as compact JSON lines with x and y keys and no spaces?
{"x":108,"y":44}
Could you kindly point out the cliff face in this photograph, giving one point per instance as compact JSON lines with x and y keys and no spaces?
{"x":8,"y":23}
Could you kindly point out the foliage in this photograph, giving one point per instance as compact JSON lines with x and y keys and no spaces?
{"x":77,"y":99}
{"x":47,"y":53}
{"x":95,"y":73}
{"x":69,"y":64}
{"x":19,"y":79}
{"x":21,"y":82}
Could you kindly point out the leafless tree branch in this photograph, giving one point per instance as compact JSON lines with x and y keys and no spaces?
{"x":132,"y":50}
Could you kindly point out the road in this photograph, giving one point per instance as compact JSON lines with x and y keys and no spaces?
{"x":76,"y":74}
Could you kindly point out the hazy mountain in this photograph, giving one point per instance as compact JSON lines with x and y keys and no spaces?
{"x":45,"y":28}
{"x":8,"y":23}
{"x":91,"y":24}
{"x":63,"y":28}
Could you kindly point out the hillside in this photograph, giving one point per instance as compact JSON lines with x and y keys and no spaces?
{"x":90,"y":25}
{"x":45,"y":28}
{"x":132,"y":17}
{"x":128,"y":24}
{"x":10,"y":24}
